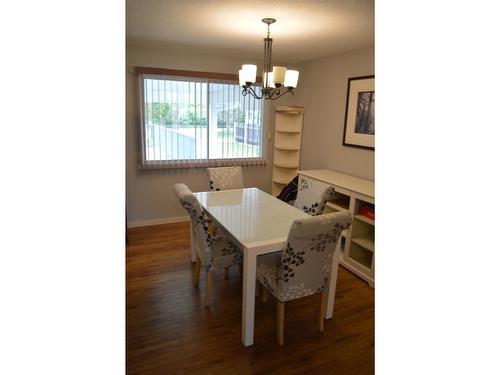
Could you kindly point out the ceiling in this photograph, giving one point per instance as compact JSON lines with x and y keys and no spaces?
{"x":305,"y":29}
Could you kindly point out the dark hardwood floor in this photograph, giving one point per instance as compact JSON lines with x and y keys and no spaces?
{"x":170,"y":332}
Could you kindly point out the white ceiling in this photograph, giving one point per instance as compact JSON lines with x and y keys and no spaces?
{"x":305,"y":29}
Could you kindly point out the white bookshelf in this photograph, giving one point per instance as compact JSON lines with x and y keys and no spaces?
{"x":287,"y":145}
{"x":352,"y":193}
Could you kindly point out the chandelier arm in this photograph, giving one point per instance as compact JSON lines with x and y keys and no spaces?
{"x":250,"y":90}
{"x":280,"y":95}
{"x":273,"y":92}
{"x":270,"y":93}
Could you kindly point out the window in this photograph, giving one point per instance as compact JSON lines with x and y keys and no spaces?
{"x":194,"y":122}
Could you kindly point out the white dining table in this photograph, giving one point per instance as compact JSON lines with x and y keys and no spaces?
{"x":259,"y":224}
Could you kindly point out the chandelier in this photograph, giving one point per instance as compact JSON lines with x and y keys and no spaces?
{"x":276,"y":82}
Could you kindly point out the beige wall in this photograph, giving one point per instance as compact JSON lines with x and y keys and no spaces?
{"x":322,"y":91}
{"x":149,"y":193}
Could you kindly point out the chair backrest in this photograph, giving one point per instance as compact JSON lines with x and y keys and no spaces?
{"x":226,"y":178}
{"x":307,"y":259}
{"x":201,"y":236}
{"x":312,"y":195}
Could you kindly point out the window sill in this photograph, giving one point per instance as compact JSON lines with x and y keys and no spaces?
{"x":202,"y":163}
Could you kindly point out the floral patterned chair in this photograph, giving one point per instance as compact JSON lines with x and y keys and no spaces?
{"x":212,"y":252}
{"x":303,"y":268}
{"x":226,"y":178}
{"x":312,"y":195}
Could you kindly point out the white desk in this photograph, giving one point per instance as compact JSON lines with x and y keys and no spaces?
{"x":359,"y":249}
{"x":342,"y":182}
{"x":259,"y":224}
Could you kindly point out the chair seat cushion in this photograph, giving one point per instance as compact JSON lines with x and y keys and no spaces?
{"x":225,"y":253}
{"x":268,"y":273}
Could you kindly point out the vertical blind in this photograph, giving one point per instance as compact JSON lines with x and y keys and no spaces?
{"x":191,"y":122}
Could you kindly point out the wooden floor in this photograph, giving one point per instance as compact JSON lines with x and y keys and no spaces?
{"x":170,"y":332}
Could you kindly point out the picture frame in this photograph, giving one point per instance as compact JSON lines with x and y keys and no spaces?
{"x":359,"y":121}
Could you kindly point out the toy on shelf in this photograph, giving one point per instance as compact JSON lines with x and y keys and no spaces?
{"x":367,"y":211}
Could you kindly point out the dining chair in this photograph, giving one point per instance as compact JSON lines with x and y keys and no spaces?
{"x":312,"y":195}
{"x":212,"y":252}
{"x":225,"y":178}
{"x":303,"y":267}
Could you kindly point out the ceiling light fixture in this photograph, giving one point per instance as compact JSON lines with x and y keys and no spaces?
{"x":273,"y":81}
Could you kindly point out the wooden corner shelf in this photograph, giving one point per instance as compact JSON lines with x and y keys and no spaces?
{"x":280,"y":181}
{"x":285,"y":165}
{"x":287,"y":145}
{"x":289,"y":109}
{"x":287,"y":148}
{"x":287,"y":131}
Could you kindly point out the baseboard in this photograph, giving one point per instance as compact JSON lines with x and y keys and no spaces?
{"x":166,"y":220}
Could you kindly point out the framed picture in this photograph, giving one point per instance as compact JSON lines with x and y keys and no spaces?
{"x":359,"y":123}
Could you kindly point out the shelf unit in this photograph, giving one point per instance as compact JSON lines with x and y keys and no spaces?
{"x":339,"y":202}
{"x":365,"y":219}
{"x":358,"y":242}
{"x":287,"y":145}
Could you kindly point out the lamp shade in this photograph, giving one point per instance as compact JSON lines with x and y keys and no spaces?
{"x":291,"y":78}
{"x":279,"y":74}
{"x":242,"y":78}
{"x":249,"y":72}
{"x":268,"y":82}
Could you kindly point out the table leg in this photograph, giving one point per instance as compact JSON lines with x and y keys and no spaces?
{"x":248,"y":313}
{"x":193,"y":253}
{"x":332,"y":286}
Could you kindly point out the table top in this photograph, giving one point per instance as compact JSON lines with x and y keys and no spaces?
{"x":348,"y":182}
{"x":253,"y":217}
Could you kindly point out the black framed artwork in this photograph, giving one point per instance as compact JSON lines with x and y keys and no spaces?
{"x":359,"y":122}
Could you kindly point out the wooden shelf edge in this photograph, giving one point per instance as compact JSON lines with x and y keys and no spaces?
{"x":291,"y":112}
{"x":287,"y":148}
{"x":336,"y":207}
{"x":281,"y":182}
{"x":364,"y":219}
{"x":284,"y":165}
{"x":365,"y":243}
{"x":289,"y":109}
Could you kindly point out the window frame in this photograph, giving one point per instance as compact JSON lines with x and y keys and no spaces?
{"x":143,"y":73}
